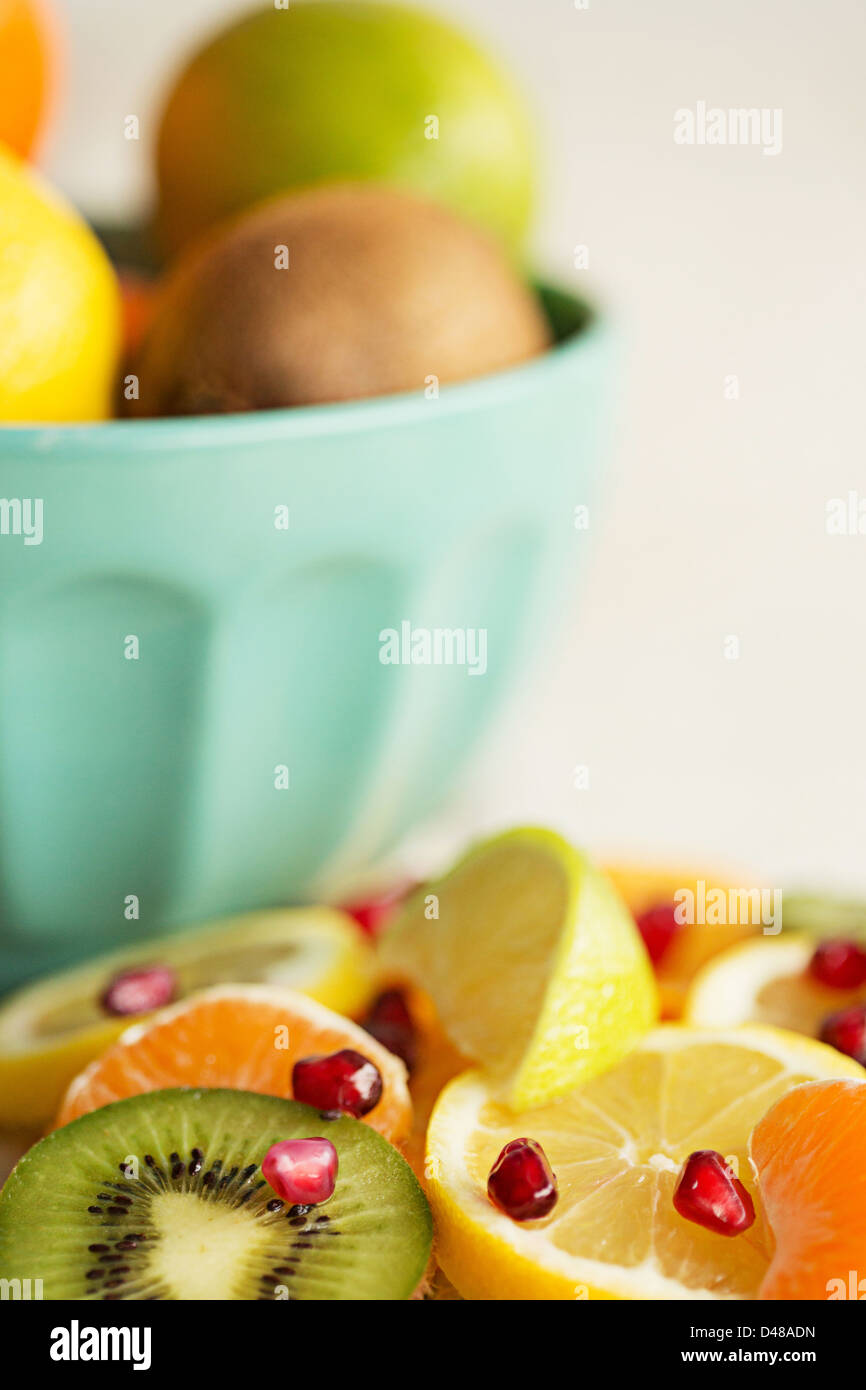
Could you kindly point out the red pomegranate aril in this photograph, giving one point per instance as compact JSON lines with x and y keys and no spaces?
{"x":373,"y":913}
{"x":391,"y":1008}
{"x":839,"y":964}
{"x":302,"y":1170}
{"x":521,"y":1183}
{"x":390,"y":1023}
{"x":658,"y":926}
{"x":846,"y":1031}
{"x":345,"y":1080}
{"x":708,"y":1194}
{"x":139,"y":991}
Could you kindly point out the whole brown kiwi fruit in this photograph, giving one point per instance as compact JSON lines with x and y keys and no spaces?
{"x":330,"y":295}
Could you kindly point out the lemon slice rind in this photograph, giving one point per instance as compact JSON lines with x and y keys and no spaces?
{"x":488,"y":1256}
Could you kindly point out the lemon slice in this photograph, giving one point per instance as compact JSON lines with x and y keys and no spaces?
{"x":533,"y":962}
{"x":616,"y":1145}
{"x":50,"y":1030}
{"x":766,"y":981}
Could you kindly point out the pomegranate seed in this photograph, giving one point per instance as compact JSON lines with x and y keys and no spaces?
{"x":708,"y":1193}
{"x":390,"y":1023}
{"x":846,"y":1031}
{"x":139,"y":991}
{"x":371,"y":914}
{"x":658,"y":926}
{"x":302,"y":1170}
{"x":391,"y":1007}
{"x":345,"y":1080}
{"x":839,"y":964}
{"x":521,"y":1182}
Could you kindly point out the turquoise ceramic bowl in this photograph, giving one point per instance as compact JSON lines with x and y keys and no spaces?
{"x":171,"y":655}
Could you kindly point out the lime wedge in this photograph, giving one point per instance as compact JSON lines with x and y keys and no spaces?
{"x":533,"y":962}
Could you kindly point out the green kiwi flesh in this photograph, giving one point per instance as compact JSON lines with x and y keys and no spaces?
{"x":161,"y":1196}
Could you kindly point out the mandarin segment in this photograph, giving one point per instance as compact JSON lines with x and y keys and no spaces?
{"x":437,"y":1063}
{"x":808,"y":1154}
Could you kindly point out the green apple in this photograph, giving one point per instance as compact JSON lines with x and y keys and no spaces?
{"x":345,"y":90}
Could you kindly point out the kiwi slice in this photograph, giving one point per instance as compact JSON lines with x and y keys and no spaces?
{"x":161,"y":1196}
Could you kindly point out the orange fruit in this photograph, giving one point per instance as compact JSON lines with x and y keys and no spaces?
{"x":27,"y":67}
{"x":808,"y":1154}
{"x":438,"y":1063}
{"x":138,"y":302}
{"x":695,"y":944}
{"x":246,"y":1037}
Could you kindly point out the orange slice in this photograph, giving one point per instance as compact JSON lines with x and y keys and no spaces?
{"x":644,"y":888}
{"x":808,"y":1154}
{"x":51,"y":1029}
{"x":438,"y":1063}
{"x":246,"y":1037}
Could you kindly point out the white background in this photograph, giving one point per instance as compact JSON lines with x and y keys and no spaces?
{"x":716,"y":262}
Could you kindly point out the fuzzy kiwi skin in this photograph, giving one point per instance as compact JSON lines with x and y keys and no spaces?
{"x":47,"y":1230}
{"x":383,"y":291}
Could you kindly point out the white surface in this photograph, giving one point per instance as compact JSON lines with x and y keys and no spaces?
{"x":717,"y":261}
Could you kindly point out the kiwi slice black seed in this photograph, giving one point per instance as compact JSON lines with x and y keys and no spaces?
{"x":161,"y":1196}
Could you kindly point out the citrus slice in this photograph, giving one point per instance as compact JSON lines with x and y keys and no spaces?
{"x":766,"y":981}
{"x":616,"y":1146}
{"x":534,"y":964}
{"x":645,"y":888}
{"x":241,"y":1037}
{"x":437,"y":1063}
{"x":808,"y":1154}
{"x":50,"y":1030}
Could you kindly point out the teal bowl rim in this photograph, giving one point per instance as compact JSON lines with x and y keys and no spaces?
{"x":577,"y":328}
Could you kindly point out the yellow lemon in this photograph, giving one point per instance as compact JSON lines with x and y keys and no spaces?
{"x":59,"y":306}
{"x":616,"y":1146}
{"x":766,"y":981}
